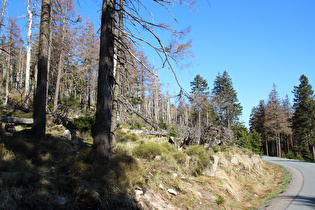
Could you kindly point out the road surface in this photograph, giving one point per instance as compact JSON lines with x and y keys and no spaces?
{"x":300,"y":194}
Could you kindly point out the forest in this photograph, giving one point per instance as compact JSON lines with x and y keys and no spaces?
{"x":89,"y":105}
{"x":73,"y":85}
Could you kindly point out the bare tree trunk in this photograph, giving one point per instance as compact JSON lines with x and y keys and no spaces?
{"x":28,"y":50}
{"x":156,"y":100}
{"x":7,"y":80}
{"x":267,"y":151}
{"x":168,"y":108}
{"x":49,"y":58}
{"x":2,"y":12}
{"x":101,"y":142}
{"x":39,"y":105}
{"x":60,"y":64}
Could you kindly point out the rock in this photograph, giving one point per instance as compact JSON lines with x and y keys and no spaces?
{"x":212,"y":167}
{"x":69,"y":134}
{"x":175,"y":175}
{"x":234,"y":160}
{"x":62,"y":200}
{"x":161,"y":187}
{"x":158,"y":157}
{"x":138,"y":192}
{"x":171,"y":191}
{"x":66,"y":134}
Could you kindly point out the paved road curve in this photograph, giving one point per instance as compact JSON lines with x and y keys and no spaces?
{"x":300,"y":194}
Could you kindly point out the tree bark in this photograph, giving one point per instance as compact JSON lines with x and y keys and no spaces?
{"x":2,"y":12}
{"x":17,"y":120}
{"x":101,"y":142}
{"x":119,"y":67}
{"x":28,"y":50}
{"x":7,"y":79}
{"x":39,"y":106}
{"x":60,"y":64}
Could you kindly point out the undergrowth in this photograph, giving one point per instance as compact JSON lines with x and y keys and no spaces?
{"x":55,"y":173}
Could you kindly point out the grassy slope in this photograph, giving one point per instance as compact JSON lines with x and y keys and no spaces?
{"x":56,"y":173}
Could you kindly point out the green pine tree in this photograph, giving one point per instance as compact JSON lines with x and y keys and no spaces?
{"x":202,"y":110}
{"x":303,"y":117}
{"x":225,"y":100}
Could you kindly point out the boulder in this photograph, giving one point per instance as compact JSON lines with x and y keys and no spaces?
{"x":212,"y":167}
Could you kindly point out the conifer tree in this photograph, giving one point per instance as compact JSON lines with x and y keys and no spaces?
{"x":225,"y":100}
{"x":39,"y":126}
{"x":200,"y":100}
{"x":303,"y":117}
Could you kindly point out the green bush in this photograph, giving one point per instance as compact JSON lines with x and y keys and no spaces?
{"x":148,"y":150}
{"x":136,"y":125}
{"x":82,"y":124}
{"x":132,"y":137}
{"x":179,"y":157}
{"x":220,"y":200}
{"x":122,"y":136}
{"x":201,"y":158}
{"x":290,"y":155}
{"x":162,"y":124}
{"x":173,"y":132}
{"x":169,"y":147}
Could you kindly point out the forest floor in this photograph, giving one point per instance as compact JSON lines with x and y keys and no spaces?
{"x":146,"y":172}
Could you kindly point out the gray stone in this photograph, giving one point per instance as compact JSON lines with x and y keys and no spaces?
{"x":212,"y":167}
{"x":171,"y":191}
{"x":234,"y":160}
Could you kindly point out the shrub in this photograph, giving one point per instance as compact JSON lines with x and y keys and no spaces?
{"x":122,"y":136}
{"x":220,"y":200}
{"x":136,"y":125}
{"x":169,"y":147}
{"x":162,"y":124}
{"x":83,"y":124}
{"x":173,"y":132}
{"x":201,"y":158}
{"x":290,"y":155}
{"x":132,"y":137}
{"x":149,"y":150}
{"x":180,"y":157}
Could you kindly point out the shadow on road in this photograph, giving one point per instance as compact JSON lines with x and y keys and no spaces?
{"x":301,"y":200}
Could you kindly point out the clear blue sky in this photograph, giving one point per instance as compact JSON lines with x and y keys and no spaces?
{"x":258,"y":42}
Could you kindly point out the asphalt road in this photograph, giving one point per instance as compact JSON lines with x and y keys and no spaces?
{"x":300,"y":194}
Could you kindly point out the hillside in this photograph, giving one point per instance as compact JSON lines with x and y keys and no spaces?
{"x":146,"y":172}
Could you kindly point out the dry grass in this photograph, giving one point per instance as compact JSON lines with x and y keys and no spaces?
{"x":56,"y":173}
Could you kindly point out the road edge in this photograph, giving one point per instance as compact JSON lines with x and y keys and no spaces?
{"x":284,"y":199}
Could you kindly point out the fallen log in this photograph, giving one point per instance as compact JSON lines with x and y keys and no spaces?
{"x":17,"y":120}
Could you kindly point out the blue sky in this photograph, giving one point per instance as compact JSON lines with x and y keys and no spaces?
{"x":258,"y":42}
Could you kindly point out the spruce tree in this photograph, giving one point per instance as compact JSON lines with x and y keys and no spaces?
{"x":200,"y":100}
{"x":303,"y":117}
{"x":225,"y":100}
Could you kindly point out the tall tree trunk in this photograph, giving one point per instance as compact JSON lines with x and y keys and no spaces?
{"x":118,"y":69}
{"x":49,"y":57}
{"x":39,"y":106}
{"x":7,"y":79}
{"x":60,"y":64}
{"x":28,"y":50}
{"x":267,"y":151}
{"x":2,"y":12}
{"x":101,"y":142}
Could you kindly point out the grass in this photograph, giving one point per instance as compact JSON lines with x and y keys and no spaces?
{"x":56,"y":173}
{"x":53,"y":174}
{"x":282,"y":183}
